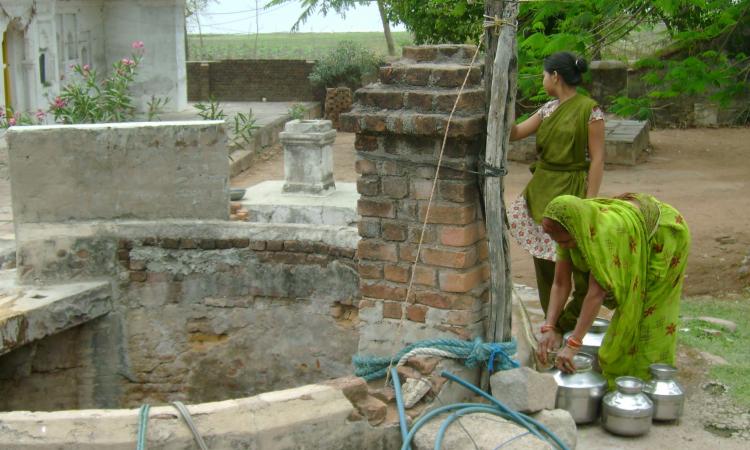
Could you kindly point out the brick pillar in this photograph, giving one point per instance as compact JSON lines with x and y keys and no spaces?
{"x":399,"y":125}
{"x":204,"y":78}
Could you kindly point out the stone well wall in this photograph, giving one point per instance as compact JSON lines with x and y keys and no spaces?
{"x":201,"y":312}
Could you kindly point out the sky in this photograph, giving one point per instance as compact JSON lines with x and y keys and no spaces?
{"x":239,"y":16}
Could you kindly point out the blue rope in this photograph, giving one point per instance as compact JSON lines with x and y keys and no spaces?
{"x":473,"y":353}
{"x":142,"y":426}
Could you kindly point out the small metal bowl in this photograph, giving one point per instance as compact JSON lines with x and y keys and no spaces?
{"x":236,"y":194}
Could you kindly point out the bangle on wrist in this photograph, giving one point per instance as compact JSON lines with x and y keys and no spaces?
{"x":546,"y":327}
{"x":573,"y":343}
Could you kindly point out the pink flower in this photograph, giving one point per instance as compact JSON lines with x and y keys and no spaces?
{"x":137,"y":45}
{"x":59,"y":103}
{"x":86,"y":68}
{"x":40,"y":115}
{"x":2,"y":112}
{"x":127,"y":62}
{"x":11,"y":121}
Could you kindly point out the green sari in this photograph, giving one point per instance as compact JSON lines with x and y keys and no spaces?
{"x":638,"y":254}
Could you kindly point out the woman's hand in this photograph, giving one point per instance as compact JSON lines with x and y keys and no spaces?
{"x":564,"y":360}
{"x":550,"y":341}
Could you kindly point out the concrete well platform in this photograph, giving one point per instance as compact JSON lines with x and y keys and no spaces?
{"x":266,"y":203}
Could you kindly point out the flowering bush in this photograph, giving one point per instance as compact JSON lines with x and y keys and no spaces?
{"x":92,"y":99}
{"x":8,"y":118}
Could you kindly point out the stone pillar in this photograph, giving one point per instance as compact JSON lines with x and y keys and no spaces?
{"x":399,"y":125}
{"x":308,"y":157}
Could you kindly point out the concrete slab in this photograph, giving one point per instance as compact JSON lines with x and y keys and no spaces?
{"x":266,"y":203}
{"x":28,"y":314}
{"x":626,"y":142}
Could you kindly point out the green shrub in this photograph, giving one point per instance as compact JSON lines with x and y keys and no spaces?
{"x":346,"y":65}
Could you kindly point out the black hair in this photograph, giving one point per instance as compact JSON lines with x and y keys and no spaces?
{"x":569,"y":66}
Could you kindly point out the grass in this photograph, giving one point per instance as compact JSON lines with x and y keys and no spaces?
{"x":733,"y":347}
{"x":309,"y":46}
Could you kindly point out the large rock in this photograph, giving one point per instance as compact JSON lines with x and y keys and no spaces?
{"x":480,"y":430}
{"x":560,"y":422}
{"x":524,"y":389}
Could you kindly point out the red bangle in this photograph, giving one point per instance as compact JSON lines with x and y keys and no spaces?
{"x":573,"y":342}
{"x":547,"y":327}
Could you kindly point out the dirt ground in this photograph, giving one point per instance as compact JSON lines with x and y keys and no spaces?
{"x":705,"y":173}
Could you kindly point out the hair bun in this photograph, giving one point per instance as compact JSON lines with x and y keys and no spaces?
{"x":581,"y":65}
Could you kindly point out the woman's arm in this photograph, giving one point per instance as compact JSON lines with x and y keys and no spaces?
{"x":596,"y":154}
{"x":561,"y":287}
{"x":589,"y":310}
{"x":526,"y":128}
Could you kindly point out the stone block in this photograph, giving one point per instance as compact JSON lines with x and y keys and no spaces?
{"x":524,"y":389}
{"x":560,"y":422}
{"x":308,"y":156}
{"x":481,"y":430}
{"x":138,"y":171}
{"x":414,"y":389}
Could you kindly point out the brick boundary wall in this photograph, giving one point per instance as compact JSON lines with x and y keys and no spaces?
{"x":277,"y":80}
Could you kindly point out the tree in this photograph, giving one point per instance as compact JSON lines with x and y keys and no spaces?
{"x":193,"y":8}
{"x":310,"y":7}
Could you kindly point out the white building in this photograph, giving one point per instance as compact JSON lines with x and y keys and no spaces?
{"x":43,"y":38}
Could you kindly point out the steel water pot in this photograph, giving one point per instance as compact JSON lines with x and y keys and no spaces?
{"x":627,"y":411}
{"x":592,"y":341}
{"x":580,"y":393}
{"x":666,"y":394}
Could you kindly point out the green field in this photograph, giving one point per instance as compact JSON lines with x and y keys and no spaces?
{"x":284,"y":45}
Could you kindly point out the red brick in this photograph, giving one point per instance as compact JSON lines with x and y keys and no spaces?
{"x":460,"y":236}
{"x":448,"y":214}
{"x":460,"y":281}
{"x":274,"y":246}
{"x":368,"y":227}
{"x":407,"y":252}
{"x":365,"y":142}
{"x":419,"y":101}
{"x":461,"y":318}
{"x":429,"y":236}
{"x":466,"y":126}
{"x":425,"y":124}
{"x":396,"y":273}
{"x":420,"y":53}
{"x":392,"y":310}
{"x":258,"y":246}
{"x":416,"y":313}
{"x":454,"y":77}
{"x":349,"y":122}
{"x":417,"y":75}
{"x":365,"y":167}
{"x":471,"y":101}
{"x":382,"y":290}
{"x":137,"y":265}
{"x":376,"y":208}
{"x":407,"y":210}
{"x":188,"y":244}
{"x":366,"y":303}
{"x":374,"y":123}
{"x":390,"y":74}
{"x":377,"y":250}
{"x":391,"y":168}
{"x":210,"y":244}
{"x":391,"y":99}
{"x":421,"y":189}
{"x":395,"y":187}
{"x":368,"y":185}
{"x":461,"y":259}
{"x":444,"y":300}
{"x":462,"y":333}
{"x":483,"y":250}
{"x":394,"y":231}
{"x":425,"y":276}
{"x":459,"y":192}
{"x":138,"y":276}
{"x":240,"y":243}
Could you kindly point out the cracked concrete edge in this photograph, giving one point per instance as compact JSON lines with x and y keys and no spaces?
{"x":293,"y":418}
{"x":340,"y":236}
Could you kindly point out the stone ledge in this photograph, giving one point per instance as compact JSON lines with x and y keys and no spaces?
{"x":410,"y":123}
{"x":422,"y":99}
{"x":32,"y":313}
{"x":431,"y":74}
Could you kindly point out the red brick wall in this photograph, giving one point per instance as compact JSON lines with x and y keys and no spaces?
{"x":251,"y":80}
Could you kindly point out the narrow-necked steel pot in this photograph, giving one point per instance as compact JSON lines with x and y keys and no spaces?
{"x":627,"y":411}
{"x":666,"y":393}
{"x":580,"y":393}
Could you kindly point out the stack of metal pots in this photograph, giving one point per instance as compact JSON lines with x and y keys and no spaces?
{"x":592,"y":341}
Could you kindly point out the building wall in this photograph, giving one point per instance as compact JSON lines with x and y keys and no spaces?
{"x":47,"y":37}
{"x":251,"y":80}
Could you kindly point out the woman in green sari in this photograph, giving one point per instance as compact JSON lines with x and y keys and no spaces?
{"x":570,"y":146}
{"x":635,"y":249}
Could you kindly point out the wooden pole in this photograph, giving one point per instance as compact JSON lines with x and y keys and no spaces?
{"x":500,"y":118}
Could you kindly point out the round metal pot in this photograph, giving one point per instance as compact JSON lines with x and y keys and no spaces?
{"x":592,"y":341}
{"x":666,"y":394}
{"x":580,"y":393}
{"x":627,"y":411}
